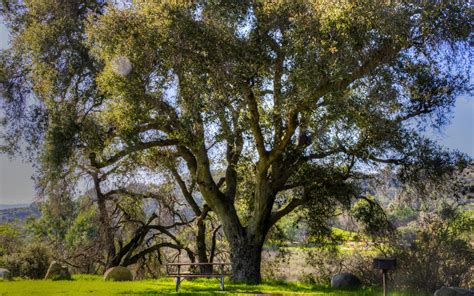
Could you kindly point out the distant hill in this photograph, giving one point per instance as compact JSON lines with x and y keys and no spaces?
{"x":13,"y":206}
{"x":19,"y":214}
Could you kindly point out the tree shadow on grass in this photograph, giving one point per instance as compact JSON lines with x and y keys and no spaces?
{"x":274,"y":288}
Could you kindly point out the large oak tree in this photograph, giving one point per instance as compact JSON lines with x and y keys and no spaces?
{"x":254,"y":99}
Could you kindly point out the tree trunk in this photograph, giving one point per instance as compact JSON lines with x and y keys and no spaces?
{"x":246,"y":250}
{"x":201,"y":247}
{"x":107,"y":235}
{"x":246,"y":243}
{"x":246,"y":258}
{"x":106,"y":231}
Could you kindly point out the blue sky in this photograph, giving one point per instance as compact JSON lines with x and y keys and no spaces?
{"x":16,"y":185}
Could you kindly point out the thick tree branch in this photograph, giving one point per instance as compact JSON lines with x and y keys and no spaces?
{"x":138,"y":147}
{"x":213,"y":244}
{"x":186,"y":193}
{"x":276,"y":216}
{"x":254,"y":119}
{"x":283,"y":143}
{"x":277,"y":99}
{"x":133,"y":259}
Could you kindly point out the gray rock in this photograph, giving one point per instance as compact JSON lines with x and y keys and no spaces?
{"x":118,"y":273}
{"x":5,"y":274}
{"x":345,"y":280}
{"x":57,"y":272}
{"x":453,"y":291}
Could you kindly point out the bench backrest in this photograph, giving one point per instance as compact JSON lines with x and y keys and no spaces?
{"x":184,"y":269}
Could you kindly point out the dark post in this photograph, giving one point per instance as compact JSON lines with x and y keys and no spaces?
{"x":178,"y":283}
{"x":178,"y":279}
{"x":385,"y":264}
{"x":222,"y":276}
{"x":384,"y":279}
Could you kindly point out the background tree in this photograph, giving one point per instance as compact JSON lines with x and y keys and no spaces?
{"x":50,"y":98}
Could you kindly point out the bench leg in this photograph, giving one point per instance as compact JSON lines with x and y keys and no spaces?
{"x":222,"y":283}
{"x":178,"y":283}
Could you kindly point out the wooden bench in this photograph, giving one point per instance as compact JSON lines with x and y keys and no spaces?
{"x":180,"y":274}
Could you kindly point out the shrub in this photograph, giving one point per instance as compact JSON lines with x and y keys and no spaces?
{"x":327,"y":263}
{"x":439,"y":256}
{"x":30,"y":262}
{"x":307,"y":278}
{"x":437,"y":253}
{"x":10,"y":237}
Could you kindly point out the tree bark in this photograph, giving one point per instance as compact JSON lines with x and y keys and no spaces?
{"x":246,"y":258}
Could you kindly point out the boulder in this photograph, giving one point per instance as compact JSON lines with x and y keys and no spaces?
{"x":56,"y":271}
{"x":5,"y":274}
{"x":118,"y":273}
{"x":345,"y":280}
{"x":453,"y":291}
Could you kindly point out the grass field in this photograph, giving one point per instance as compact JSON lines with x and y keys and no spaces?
{"x":95,"y":285}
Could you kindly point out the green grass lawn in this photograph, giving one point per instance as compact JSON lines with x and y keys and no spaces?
{"x":95,"y":285}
